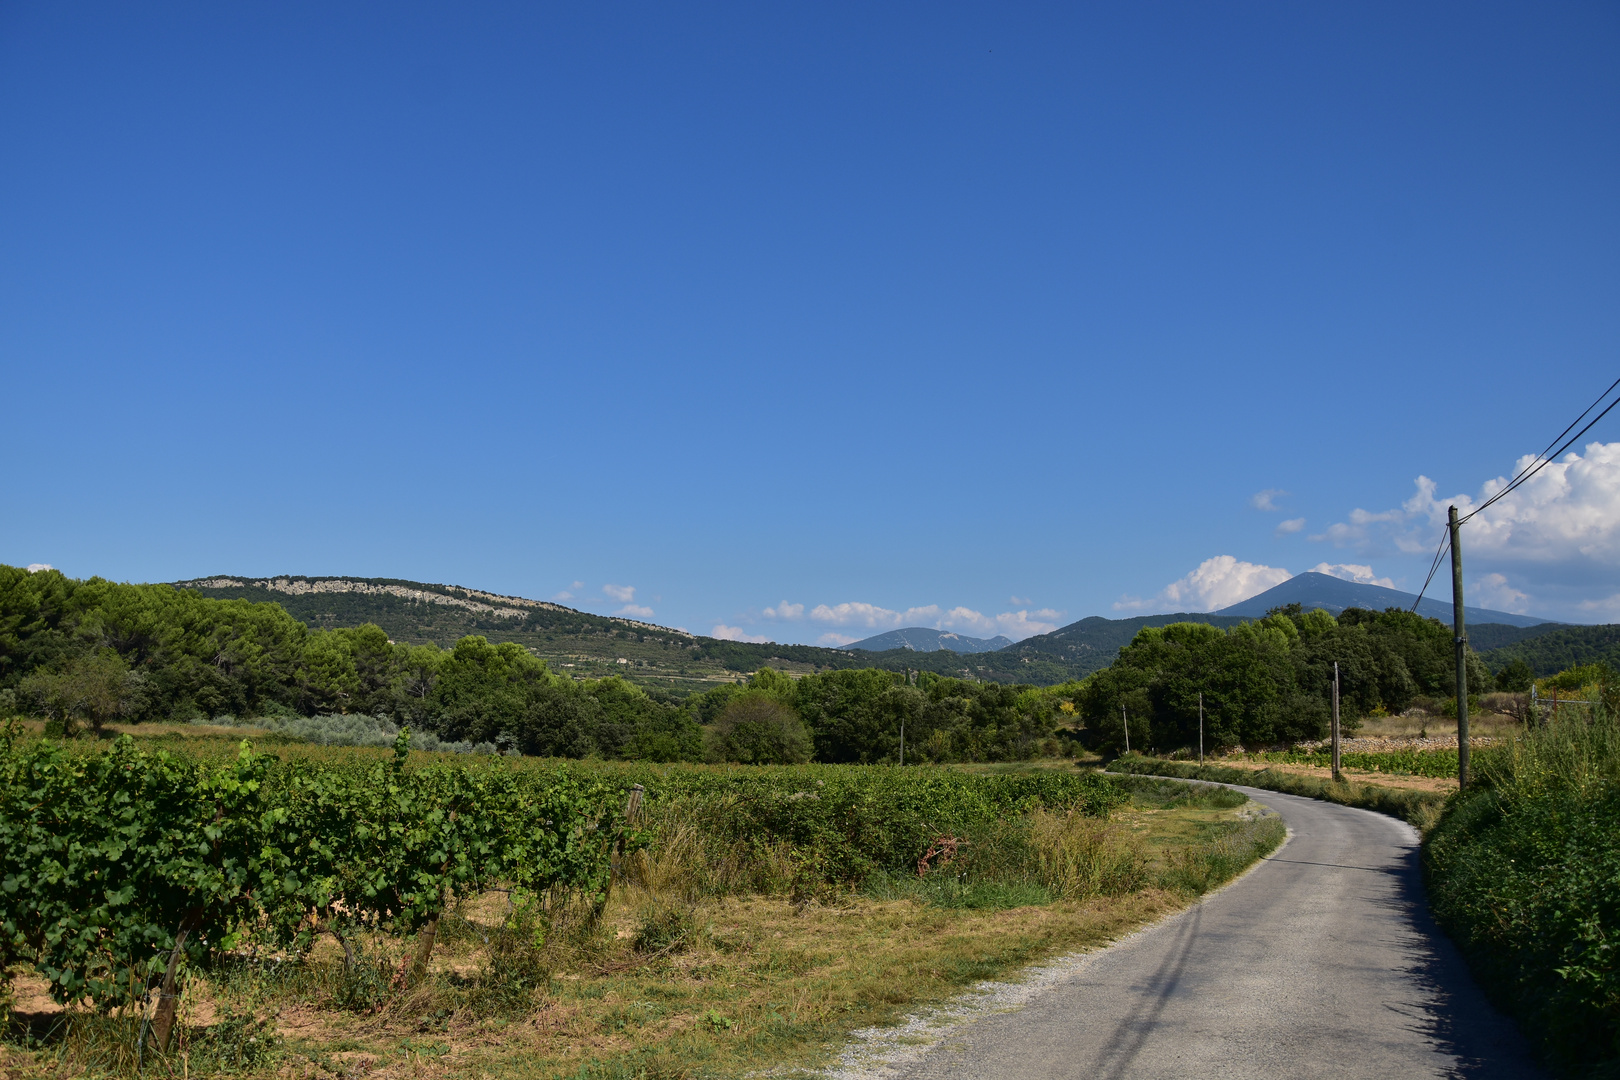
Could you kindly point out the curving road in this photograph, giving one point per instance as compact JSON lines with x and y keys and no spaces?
{"x":1321,"y":962}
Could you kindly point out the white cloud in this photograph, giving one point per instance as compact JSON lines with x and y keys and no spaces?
{"x":1557,"y":536}
{"x":1569,"y":512}
{"x":1025,"y":601}
{"x":1217,"y":583}
{"x":1357,"y":531}
{"x":835,"y":640}
{"x":737,"y":633}
{"x":622,"y":593}
{"x":36,"y":567}
{"x":1493,"y":591}
{"x":1292,"y":525}
{"x":635,"y":611}
{"x":1362,"y":575}
{"x":785,"y":610}
{"x":873,"y":616}
{"x":1567,"y":515}
{"x":1606,"y":608}
{"x":1014,"y":624}
{"x":1266,"y":500}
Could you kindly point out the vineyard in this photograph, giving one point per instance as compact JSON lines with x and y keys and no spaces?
{"x":138,"y":873}
{"x":122,"y":865}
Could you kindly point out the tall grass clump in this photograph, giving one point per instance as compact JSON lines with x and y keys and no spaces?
{"x":1077,"y":856}
{"x":1524,"y":873}
{"x":1222,"y":854}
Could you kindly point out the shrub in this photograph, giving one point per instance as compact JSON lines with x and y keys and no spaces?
{"x":1524,"y":873}
{"x":758,"y":728}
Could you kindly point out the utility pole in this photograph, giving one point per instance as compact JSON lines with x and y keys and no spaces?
{"x":910,"y":681}
{"x":1337,"y":776}
{"x":1200,"y":727}
{"x":1125,"y":720}
{"x":1461,"y":643}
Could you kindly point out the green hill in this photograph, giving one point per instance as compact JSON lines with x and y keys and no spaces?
{"x":1559,"y":649}
{"x":581,"y":643}
{"x":572,"y":641}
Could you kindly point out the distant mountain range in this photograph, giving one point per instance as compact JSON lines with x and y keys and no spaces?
{"x":581,"y":643}
{"x":1313,"y":590}
{"x":922,"y":639}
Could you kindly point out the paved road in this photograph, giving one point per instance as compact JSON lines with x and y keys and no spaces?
{"x":1322,"y":962}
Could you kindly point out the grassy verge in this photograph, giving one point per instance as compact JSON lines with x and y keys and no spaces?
{"x":712,"y":957}
{"x":1421,"y":808}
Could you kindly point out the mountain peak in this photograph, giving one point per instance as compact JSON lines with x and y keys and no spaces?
{"x":1317,"y":590}
{"x":922,"y":639}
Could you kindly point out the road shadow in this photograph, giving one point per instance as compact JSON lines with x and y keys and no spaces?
{"x":1451,"y":1009}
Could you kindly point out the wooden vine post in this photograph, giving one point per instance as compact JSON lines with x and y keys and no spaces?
{"x":632,"y":811}
{"x":163,"y":1020}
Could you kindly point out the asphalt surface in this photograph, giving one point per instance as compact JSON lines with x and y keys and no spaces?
{"x":1321,"y":962}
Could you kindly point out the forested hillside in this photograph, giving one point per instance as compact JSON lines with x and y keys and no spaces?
{"x":422,"y":614}
{"x":1559,"y":649}
{"x":586,"y":644}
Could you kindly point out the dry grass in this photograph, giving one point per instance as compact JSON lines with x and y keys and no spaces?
{"x":1322,"y":772}
{"x":1491,"y":724}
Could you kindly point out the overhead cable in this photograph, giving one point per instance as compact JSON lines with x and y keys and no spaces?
{"x":1553,"y":451}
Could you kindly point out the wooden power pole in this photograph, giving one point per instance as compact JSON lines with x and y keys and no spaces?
{"x":1125,"y":720}
{"x":1200,"y":727}
{"x":1337,"y":776}
{"x":1461,"y":643}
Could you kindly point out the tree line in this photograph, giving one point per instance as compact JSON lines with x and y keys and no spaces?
{"x":1270,"y":681}
{"x":93,"y":652}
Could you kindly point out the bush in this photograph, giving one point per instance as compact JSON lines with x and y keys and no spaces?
{"x":1524,"y":873}
{"x":299,"y":849}
{"x":757,"y":728}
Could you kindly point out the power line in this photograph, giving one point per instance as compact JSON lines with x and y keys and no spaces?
{"x":1439,"y":556}
{"x":1539,"y":462}
{"x":1544,"y":458}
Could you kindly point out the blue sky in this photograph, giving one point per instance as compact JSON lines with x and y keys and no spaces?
{"x":805,"y":321}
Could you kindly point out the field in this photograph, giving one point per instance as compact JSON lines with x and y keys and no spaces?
{"x":754,"y":918}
